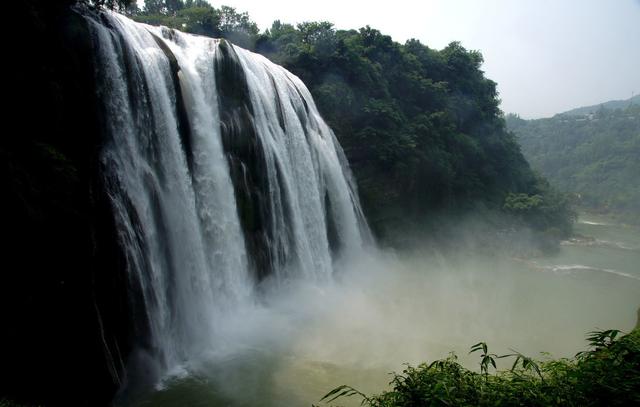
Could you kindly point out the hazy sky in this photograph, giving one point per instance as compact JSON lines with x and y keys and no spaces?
{"x":547,"y":56}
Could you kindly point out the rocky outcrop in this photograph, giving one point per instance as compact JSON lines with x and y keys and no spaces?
{"x":66,"y":332}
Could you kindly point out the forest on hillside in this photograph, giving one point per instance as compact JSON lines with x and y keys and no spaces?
{"x":594,"y":157}
{"x":610,"y":105}
{"x":421,"y":128}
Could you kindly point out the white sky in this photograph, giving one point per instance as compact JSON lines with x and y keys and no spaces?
{"x":547,"y":56}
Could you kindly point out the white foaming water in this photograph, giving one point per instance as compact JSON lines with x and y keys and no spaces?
{"x":306,"y":148}
{"x":173,"y":193}
{"x":593,"y":223}
{"x":571,"y":268}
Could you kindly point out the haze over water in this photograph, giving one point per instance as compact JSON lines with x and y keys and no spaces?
{"x":387,"y":310}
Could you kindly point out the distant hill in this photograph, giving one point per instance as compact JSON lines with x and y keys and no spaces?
{"x":610,"y":105}
{"x":594,"y":156}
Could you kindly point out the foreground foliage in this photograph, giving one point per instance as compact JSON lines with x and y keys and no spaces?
{"x":606,"y":374}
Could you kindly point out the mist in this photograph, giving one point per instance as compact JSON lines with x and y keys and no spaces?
{"x":384,"y":309}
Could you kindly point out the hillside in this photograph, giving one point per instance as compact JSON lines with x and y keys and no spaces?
{"x":610,"y":105}
{"x":594,"y":157}
{"x":421,"y":128}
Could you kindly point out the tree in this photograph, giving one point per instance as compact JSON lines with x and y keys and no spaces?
{"x":237,"y":27}
{"x":112,"y":4}
{"x":232,"y":21}
{"x":320,"y":36}
{"x":421,"y":128}
{"x":154,"y":7}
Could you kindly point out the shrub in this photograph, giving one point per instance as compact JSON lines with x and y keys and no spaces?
{"x":608,"y":373}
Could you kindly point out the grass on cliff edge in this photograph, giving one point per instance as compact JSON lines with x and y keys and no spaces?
{"x":607,"y":374}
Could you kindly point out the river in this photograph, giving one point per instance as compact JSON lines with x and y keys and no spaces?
{"x":303,"y":340}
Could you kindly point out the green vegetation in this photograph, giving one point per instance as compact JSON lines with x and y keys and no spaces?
{"x":593,"y":156}
{"x":421,"y":128}
{"x":199,"y":17}
{"x":608,"y":374}
{"x":120,"y":5}
{"x":610,"y":105}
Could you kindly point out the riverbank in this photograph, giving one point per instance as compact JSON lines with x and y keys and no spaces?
{"x":608,"y":373}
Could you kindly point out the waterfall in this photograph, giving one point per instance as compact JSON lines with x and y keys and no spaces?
{"x":221,"y":174}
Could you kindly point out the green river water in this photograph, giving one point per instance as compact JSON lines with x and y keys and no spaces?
{"x":294,"y":348}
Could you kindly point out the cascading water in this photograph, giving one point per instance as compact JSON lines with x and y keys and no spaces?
{"x":221,"y":173}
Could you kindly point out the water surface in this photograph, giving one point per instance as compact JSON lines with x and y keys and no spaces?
{"x":302,"y":340}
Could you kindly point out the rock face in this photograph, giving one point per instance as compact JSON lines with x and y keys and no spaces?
{"x":65,"y":309}
{"x":246,"y":160}
{"x":157,"y":179}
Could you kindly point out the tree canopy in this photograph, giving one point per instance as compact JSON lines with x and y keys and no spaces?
{"x":422,"y":128}
{"x":594,"y":156}
{"x":199,"y":17}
